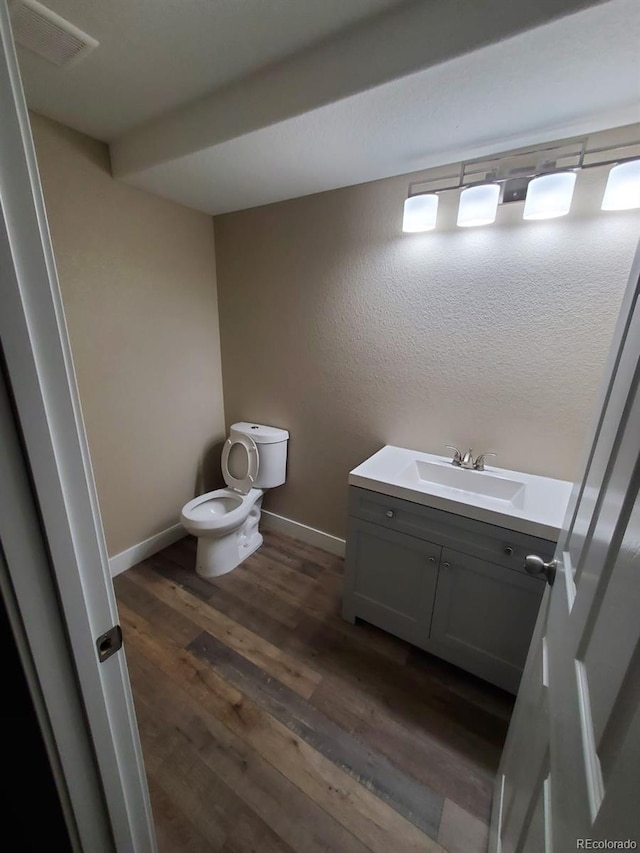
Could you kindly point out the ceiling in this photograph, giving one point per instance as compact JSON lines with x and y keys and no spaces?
{"x":155,"y":55}
{"x":228,"y":104}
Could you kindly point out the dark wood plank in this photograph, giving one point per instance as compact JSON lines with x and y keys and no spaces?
{"x":181,"y":569}
{"x":187,"y":607}
{"x":419,"y":805}
{"x":260,"y":604}
{"x":424,"y":757}
{"x":176,"y":625}
{"x":174,"y":832}
{"x":256,"y":614}
{"x":188,"y":792}
{"x":301,"y":550}
{"x":303,"y":561}
{"x":244,"y":838}
{"x":294,"y":817}
{"x":279,"y":552}
{"x":296,"y":589}
{"x":370,"y":819}
{"x":469,"y":689}
{"x":410,"y":697}
{"x":182,"y":551}
{"x":372,"y":714}
{"x":268,"y":592}
{"x":247,"y":589}
{"x":202,"y":794}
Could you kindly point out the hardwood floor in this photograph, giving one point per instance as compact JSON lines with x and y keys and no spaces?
{"x":268,"y":723}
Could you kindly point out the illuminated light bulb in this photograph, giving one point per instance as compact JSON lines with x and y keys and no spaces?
{"x":549,"y":196}
{"x":420,"y":213}
{"x":478,"y":205}
{"x":623,"y":187}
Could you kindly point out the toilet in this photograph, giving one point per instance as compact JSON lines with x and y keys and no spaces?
{"x":254,"y":458}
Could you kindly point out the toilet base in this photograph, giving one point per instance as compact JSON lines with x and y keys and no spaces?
{"x":219,"y":556}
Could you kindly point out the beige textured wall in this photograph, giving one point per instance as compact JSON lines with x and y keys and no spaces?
{"x":352,"y":335}
{"x":137,"y":275}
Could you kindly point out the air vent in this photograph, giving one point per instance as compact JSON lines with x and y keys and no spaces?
{"x":47,"y":34}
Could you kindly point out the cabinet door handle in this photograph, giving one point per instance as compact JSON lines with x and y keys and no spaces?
{"x":446,"y":565}
{"x":389,"y":513}
{"x":508,"y":550}
{"x":432,"y":559}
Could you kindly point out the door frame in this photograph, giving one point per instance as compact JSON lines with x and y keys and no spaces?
{"x":29,"y":594}
{"x":53,"y":458}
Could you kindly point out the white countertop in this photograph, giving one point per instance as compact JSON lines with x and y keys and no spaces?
{"x":522,"y":502}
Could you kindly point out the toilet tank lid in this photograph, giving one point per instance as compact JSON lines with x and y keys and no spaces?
{"x":259,"y":433}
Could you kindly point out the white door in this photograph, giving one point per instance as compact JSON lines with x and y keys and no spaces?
{"x":569,"y":778}
{"x":46,"y":476}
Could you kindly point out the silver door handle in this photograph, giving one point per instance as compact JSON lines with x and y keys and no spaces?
{"x":536,"y":566}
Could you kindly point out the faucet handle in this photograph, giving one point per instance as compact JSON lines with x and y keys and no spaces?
{"x":479,"y":463}
{"x":457,"y":456}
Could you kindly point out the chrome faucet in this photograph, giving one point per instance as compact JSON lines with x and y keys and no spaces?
{"x":479,"y":463}
{"x":467,"y":461}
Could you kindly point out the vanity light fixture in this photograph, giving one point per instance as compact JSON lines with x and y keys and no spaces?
{"x":623,"y":187}
{"x":543,"y":178}
{"x":478,"y":205}
{"x":549,"y":196}
{"x":420,"y":213}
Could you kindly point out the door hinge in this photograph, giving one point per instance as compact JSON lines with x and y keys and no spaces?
{"x":109,"y":643}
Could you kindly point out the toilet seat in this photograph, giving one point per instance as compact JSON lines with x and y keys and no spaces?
{"x":218,"y":511}
{"x":244,"y":485}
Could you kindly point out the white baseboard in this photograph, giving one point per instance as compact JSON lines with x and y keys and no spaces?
{"x":332,"y":544}
{"x":126,"y":559}
{"x":134,"y":555}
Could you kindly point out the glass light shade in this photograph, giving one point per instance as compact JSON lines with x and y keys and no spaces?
{"x":623,"y":187}
{"x":549,"y":196}
{"x":420,"y":212}
{"x":478,"y":205}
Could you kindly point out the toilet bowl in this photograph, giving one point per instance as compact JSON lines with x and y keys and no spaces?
{"x":226,"y":525}
{"x":226,"y":520}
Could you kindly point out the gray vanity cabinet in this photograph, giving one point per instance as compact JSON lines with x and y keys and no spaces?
{"x":378,"y":555}
{"x":453,"y":586}
{"x":483,"y":617}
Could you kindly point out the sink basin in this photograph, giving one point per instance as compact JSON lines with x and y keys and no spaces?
{"x":510,"y":499}
{"x":422,"y":474}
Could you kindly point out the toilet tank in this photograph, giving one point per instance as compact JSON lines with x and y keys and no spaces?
{"x":272,"y":450}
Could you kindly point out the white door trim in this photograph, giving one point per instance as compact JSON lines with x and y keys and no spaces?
{"x":42,"y":383}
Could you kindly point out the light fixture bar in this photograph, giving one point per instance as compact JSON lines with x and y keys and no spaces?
{"x":469,"y":174}
{"x":544,"y":177}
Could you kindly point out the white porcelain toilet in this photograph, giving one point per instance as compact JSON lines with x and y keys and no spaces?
{"x":226,"y":521}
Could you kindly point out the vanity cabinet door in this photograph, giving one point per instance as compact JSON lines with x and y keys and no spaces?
{"x":390,"y":580}
{"x":483,"y":617}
